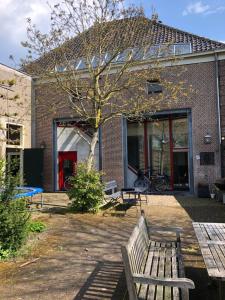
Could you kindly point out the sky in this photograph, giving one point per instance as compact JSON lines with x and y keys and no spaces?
{"x":205,"y":18}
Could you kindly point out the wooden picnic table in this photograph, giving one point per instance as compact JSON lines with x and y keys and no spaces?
{"x":211,"y":239}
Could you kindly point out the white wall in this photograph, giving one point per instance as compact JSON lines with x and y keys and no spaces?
{"x":69,"y":140}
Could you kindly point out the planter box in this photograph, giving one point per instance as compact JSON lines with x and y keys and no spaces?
{"x":203,"y":191}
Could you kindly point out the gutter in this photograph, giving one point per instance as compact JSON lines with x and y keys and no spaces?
{"x":218,"y":109}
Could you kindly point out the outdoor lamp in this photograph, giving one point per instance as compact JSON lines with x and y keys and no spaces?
{"x":43,"y":145}
{"x":207,"y":139}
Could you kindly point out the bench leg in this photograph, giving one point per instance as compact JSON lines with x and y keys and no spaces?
{"x":185,"y":294}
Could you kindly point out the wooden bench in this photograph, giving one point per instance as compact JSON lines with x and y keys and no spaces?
{"x":154,"y":269}
{"x":111,"y":192}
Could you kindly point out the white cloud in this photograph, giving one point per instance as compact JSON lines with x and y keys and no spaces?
{"x":13,"y":15}
{"x":196,"y":8}
{"x":201,"y":8}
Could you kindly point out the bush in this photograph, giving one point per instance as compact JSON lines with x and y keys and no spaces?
{"x":36,"y":226}
{"x":86,"y":190}
{"x":14,"y":216}
{"x":13,"y":226}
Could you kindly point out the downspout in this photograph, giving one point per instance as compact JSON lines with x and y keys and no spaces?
{"x":218,"y":109}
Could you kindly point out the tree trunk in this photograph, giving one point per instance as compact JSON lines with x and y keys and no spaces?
{"x":91,"y":154}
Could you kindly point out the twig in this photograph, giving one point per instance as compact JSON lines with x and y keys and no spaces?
{"x":29,"y":262}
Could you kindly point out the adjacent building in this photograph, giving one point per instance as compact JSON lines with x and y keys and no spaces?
{"x":15,"y":114}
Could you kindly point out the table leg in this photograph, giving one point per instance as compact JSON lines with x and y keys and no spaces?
{"x":220,"y":290}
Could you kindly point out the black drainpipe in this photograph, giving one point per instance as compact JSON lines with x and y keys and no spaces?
{"x":218,"y":112}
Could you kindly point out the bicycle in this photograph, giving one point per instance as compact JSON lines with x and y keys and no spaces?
{"x":152,"y":183}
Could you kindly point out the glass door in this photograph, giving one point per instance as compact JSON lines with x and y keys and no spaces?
{"x":159,"y":147}
{"x":180,"y":153}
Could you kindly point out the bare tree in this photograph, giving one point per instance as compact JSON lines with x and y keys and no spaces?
{"x":95,"y":53}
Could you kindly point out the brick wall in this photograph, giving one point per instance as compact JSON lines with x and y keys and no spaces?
{"x":204,"y":120}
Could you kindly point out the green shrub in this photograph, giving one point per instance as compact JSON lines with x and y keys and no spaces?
{"x":86,"y":190}
{"x":14,"y":216}
{"x":36,"y":226}
{"x":14,"y":219}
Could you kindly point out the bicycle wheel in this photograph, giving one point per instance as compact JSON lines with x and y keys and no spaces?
{"x":161,"y":185}
{"x":142,"y":183}
{"x":67,"y":184}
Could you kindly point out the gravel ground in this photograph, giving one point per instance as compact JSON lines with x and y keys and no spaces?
{"x":78,"y":256}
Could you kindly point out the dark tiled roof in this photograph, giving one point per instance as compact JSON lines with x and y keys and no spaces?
{"x":148,"y":32}
{"x":136,"y":32}
{"x":161,"y":33}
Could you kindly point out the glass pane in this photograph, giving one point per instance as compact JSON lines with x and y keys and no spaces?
{"x":159,"y":146}
{"x":182,"y":49}
{"x":14,"y":134}
{"x":180,"y":133}
{"x":135,"y":144}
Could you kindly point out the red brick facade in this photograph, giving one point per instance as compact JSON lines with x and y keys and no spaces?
{"x":203,"y":105}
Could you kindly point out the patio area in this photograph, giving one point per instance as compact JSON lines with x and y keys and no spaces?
{"x":78,"y":256}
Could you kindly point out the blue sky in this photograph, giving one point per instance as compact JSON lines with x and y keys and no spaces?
{"x":204,"y":18}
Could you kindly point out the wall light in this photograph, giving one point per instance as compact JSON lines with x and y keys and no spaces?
{"x":43,"y":145}
{"x":207,"y":139}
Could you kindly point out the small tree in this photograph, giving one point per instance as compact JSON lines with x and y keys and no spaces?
{"x":14,"y":216}
{"x":92,"y":55}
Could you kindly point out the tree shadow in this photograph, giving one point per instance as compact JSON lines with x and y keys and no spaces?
{"x":107,"y":281}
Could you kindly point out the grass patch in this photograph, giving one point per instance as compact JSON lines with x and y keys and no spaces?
{"x":36,"y":226}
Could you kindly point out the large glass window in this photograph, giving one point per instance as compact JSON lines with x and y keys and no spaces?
{"x":180,"y":133}
{"x":135,"y":144}
{"x":159,"y":147}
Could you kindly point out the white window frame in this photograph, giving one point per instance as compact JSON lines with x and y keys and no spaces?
{"x":21,"y":145}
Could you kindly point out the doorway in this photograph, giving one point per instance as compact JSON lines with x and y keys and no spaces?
{"x":67,"y":162}
{"x":160,"y":146}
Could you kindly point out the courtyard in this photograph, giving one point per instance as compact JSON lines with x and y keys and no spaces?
{"x":78,"y":255}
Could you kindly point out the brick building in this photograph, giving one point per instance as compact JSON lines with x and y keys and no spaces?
{"x":182,"y":140}
{"x":15,"y":114}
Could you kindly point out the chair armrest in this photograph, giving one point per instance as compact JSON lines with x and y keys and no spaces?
{"x":173,"y":282}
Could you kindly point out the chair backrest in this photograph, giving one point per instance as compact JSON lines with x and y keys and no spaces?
{"x":110,"y":187}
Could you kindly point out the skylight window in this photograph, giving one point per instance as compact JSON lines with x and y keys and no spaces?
{"x":138,"y":53}
{"x":182,"y":48}
{"x":60,"y":68}
{"x":152,"y":51}
{"x":81,"y":65}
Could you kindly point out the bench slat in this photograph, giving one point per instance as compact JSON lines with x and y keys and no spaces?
{"x":161,"y":268}
{"x":168,"y":272}
{"x":144,"y":287}
{"x":154,"y":270}
{"x":175,"y":290}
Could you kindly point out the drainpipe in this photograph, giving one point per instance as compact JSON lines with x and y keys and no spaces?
{"x":218,"y":110}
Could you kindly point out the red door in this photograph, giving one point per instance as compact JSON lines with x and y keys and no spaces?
{"x":67,"y":161}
